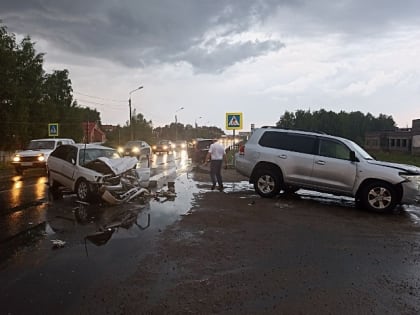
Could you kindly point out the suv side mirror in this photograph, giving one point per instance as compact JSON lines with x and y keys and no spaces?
{"x":353,"y":157}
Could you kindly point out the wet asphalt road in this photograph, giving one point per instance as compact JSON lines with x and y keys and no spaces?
{"x":100,"y":240}
{"x":38,"y":278}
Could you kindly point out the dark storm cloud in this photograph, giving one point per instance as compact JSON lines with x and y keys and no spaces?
{"x":140,"y":33}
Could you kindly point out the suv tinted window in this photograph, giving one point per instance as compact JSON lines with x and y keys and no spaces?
{"x":288,"y":141}
{"x":333,"y":149}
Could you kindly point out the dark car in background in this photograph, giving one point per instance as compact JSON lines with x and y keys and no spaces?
{"x":163,"y":146}
{"x":198,"y":149}
{"x":137,"y":148}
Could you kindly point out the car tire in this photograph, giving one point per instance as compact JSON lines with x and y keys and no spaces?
{"x":379,"y":196}
{"x":83,"y":190}
{"x":54,"y":188}
{"x":267,"y":183}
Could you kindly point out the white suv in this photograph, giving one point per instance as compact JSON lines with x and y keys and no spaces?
{"x":36,"y":154}
{"x":277,"y":159}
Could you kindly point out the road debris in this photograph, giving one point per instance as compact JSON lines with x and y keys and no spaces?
{"x":58,"y":244}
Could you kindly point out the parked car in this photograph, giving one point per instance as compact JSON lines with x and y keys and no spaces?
{"x":163,"y":146}
{"x":83,"y":168}
{"x":36,"y":154}
{"x":198,"y":150}
{"x":276,"y":159}
{"x":137,"y":148}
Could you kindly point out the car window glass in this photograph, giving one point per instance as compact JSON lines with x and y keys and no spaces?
{"x":333,"y":149}
{"x":38,"y":145}
{"x":91,"y":154}
{"x":71,"y":154}
{"x":61,"y":152}
{"x":289,"y":142}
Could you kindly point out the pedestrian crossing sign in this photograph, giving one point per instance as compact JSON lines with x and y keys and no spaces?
{"x":234,"y":121}
{"x":53,"y":130}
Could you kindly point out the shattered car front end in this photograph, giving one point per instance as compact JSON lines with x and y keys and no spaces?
{"x":86,"y":168}
{"x":119,"y":179}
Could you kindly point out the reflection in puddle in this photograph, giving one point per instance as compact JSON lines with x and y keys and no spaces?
{"x":103,"y":225}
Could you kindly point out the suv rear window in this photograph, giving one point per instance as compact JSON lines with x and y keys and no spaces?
{"x":288,"y":141}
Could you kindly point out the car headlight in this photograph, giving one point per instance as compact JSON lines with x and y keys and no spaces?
{"x":165,"y":147}
{"x":415,"y":179}
{"x":183,"y":146}
{"x":154,"y":147}
{"x":41,"y":158}
{"x":135,"y":150}
{"x":120,"y":149}
{"x":16,"y":158}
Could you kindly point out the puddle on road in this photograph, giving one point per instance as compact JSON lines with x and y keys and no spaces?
{"x":131,"y":226}
{"x":97,"y":223}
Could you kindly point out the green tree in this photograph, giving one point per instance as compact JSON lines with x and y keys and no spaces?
{"x":351,"y":125}
{"x":30,"y":98}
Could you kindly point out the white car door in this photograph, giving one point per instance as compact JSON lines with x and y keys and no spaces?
{"x":332,"y":169}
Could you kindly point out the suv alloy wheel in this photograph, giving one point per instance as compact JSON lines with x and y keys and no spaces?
{"x":267,"y":183}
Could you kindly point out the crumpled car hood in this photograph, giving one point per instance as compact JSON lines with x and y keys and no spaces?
{"x":107,"y":166}
{"x":411,"y":169}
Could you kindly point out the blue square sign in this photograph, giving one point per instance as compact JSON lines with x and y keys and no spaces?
{"x":234,"y":121}
{"x":53,"y":130}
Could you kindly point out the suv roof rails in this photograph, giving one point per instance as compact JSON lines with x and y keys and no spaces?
{"x":284,"y":128}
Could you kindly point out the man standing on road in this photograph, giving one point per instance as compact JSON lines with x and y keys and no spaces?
{"x":216,"y":156}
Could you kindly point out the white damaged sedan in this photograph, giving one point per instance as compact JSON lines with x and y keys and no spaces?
{"x":84,"y":168}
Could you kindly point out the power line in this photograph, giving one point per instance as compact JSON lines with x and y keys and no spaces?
{"x":100,"y":98}
{"x":81,"y":101}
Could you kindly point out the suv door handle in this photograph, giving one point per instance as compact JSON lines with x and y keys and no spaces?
{"x":283,"y":156}
{"x":320,"y":162}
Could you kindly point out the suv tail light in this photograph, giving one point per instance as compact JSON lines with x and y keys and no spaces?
{"x":242,"y":149}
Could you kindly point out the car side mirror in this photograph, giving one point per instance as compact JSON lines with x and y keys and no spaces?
{"x":353,"y":157}
{"x":73,"y":161}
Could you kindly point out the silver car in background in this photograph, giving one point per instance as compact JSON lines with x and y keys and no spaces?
{"x":276,"y":159}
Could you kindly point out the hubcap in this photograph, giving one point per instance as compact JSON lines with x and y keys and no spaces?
{"x":379,"y":197}
{"x":266,"y":184}
{"x":83,"y":190}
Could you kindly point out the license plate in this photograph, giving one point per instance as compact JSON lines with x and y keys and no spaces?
{"x":26,"y":164}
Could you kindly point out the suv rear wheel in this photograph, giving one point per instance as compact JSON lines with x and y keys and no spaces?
{"x":267,"y":183}
{"x":379,"y":196}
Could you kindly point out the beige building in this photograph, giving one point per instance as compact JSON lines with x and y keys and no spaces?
{"x":400,"y":140}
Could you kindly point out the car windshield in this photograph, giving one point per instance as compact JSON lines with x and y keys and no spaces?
{"x":164,"y":142}
{"x":361,"y":151}
{"x":87,"y":155}
{"x":39,"y":145}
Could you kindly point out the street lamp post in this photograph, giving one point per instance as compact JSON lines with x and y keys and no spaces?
{"x":196,"y":126}
{"x":129,"y":106}
{"x":195,"y":122}
{"x":176,"y":123}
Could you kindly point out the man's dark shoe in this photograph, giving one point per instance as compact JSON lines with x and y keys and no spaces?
{"x":212,"y":187}
{"x":221,"y":188}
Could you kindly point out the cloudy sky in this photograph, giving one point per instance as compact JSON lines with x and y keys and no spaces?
{"x":209,"y":57}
